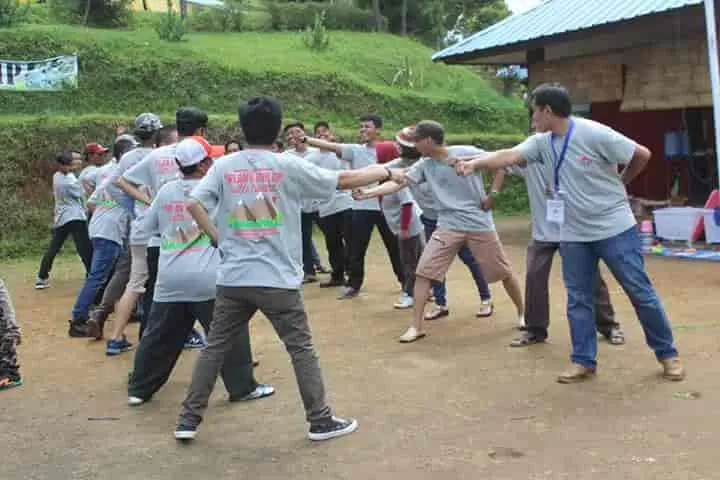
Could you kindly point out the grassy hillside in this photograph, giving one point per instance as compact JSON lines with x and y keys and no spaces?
{"x":132,"y":71}
{"x":124,"y":72}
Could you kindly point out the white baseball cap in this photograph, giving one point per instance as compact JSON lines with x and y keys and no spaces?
{"x":192,"y":151}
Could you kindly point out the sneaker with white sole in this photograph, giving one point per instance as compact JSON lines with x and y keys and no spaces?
{"x":348,"y":293}
{"x":135,"y":401}
{"x":336,"y":427}
{"x":41,"y":284}
{"x":261,"y":391}
{"x":185,"y":432}
{"x":405,"y":302}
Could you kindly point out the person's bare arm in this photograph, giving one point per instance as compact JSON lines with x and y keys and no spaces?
{"x":387,"y":188}
{"x":200,"y":215}
{"x":133,"y":191}
{"x":349,"y":179}
{"x":324,"y":145}
{"x":637,"y":164}
{"x":489,"y":161}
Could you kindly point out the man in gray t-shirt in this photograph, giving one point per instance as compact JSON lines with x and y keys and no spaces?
{"x":257,"y":196}
{"x":366,"y":214}
{"x":587,"y":200}
{"x":68,"y":217}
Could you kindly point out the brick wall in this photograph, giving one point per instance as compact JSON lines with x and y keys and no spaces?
{"x":662,"y":76}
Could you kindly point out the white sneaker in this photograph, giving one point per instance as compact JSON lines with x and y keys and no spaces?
{"x":406,"y":301}
{"x":41,"y":284}
{"x":135,"y":401}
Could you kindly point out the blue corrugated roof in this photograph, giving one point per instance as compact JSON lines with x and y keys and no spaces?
{"x":559,"y":16}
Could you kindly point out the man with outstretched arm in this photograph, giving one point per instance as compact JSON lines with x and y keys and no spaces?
{"x":586,"y":198}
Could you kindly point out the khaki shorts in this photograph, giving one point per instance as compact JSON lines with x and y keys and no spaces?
{"x":138,"y":269}
{"x":444,"y":245}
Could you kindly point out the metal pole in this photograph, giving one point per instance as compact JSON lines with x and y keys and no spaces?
{"x":714,"y":72}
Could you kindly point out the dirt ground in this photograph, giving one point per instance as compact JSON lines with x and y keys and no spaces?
{"x":460,"y":404}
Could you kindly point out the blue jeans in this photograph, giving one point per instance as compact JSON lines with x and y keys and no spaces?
{"x":623,"y":257}
{"x":439,"y":288}
{"x":105,"y":254}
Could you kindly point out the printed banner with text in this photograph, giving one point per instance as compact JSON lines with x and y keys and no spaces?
{"x":53,"y":74}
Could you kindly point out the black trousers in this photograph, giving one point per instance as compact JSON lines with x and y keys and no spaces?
{"x":307,"y":220}
{"x":363,"y":223}
{"x":160,"y":347}
{"x":153,"y":258}
{"x":337,"y":230}
{"x":78,"y":230}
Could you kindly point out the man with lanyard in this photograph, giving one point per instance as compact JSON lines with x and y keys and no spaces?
{"x":588,"y":201}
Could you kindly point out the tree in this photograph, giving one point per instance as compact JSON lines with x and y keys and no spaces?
{"x":378,"y":14}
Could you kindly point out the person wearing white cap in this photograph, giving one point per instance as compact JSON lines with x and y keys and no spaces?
{"x":185,"y":288}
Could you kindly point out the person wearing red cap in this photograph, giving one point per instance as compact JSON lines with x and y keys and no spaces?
{"x":69,"y":217}
{"x":95,"y":158}
{"x":185,"y":289}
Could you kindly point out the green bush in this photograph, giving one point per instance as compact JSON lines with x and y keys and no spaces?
{"x":102,"y":13}
{"x":171,"y":26}
{"x":316,"y":36}
{"x":230,"y":18}
{"x":12,"y":12}
{"x":26,"y":175}
{"x":298,"y":16}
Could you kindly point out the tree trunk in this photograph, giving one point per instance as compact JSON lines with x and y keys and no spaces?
{"x":378,"y":15}
{"x":87,"y":12}
{"x":183,"y":9}
{"x":403,"y":18}
{"x":145,"y":5}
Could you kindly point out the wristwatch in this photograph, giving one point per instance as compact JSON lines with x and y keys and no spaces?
{"x":304,"y":139}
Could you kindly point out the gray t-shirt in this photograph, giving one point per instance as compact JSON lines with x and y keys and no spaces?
{"x":127,"y":161}
{"x":257,"y":194}
{"x":458,"y":198}
{"x":96,"y":176}
{"x":537,"y":177}
{"x":188,"y":263}
{"x":156,"y":169}
{"x":69,"y":197}
{"x":392,"y":206}
{"x":87,"y":171}
{"x":361,"y":156}
{"x":109,"y":220}
{"x":342,"y":200}
{"x":596,"y":203}
{"x":422,"y":193}
{"x":309,"y":205}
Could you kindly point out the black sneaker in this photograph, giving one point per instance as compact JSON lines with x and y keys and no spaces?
{"x":336,"y":427}
{"x":78,"y":329}
{"x":339,"y":282}
{"x":185,"y":433}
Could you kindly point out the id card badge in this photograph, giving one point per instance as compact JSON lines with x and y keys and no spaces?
{"x":555,"y":211}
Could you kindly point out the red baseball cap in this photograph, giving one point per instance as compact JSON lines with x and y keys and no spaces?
{"x":386,"y":151}
{"x":95,"y":148}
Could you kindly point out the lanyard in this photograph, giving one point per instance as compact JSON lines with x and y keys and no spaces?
{"x":559,"y":159}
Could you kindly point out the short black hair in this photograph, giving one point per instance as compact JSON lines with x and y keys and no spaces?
{"x":187,"y":170}
{"x":121,"y":147}
{"x":164,"y":134}
{"x":410,"y":153}
{"x":292,"y":125}
{"x":65,"y":157}
{"x":552,"y":95}
{"x":231,"y":141}
{"x":430,"y":129}
{"x":321,"y":124}
{"x":375,"y":119}
{"x":189,"y":120}
{"x":260,"y":120}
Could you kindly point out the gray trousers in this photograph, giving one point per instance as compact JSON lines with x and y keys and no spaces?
{"x":537,"y":304}
{"x":410,"y":252}
{"x":162,"y":343}
{"x":234,"y":307}
{"x":116,"y":286}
